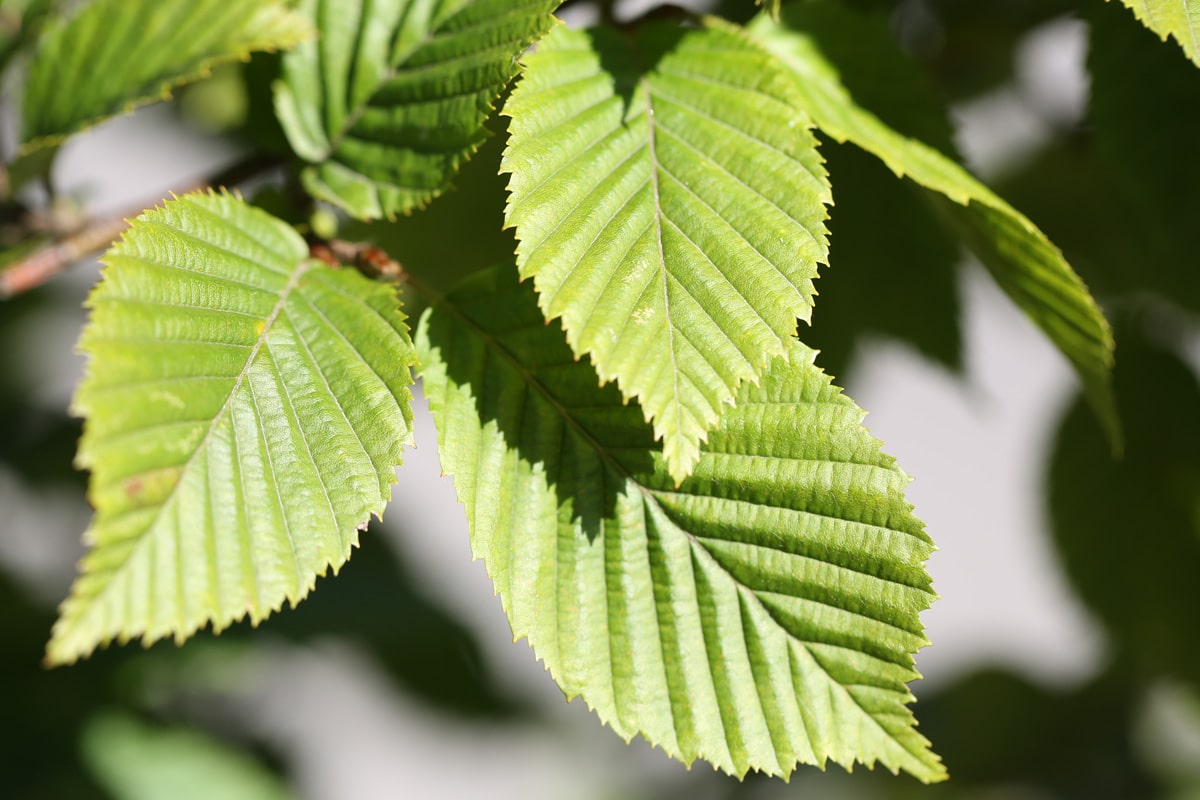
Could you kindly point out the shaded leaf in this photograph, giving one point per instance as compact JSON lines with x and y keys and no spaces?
{"x":137,"y":761}
{"x":246,"y":407}
{"x":1025,"y":264}
{"x":1145,"y":112}
{"x":392,"y":98}
{"x":894,"y":271}
{"x":669,"y":203}
{"x":20,"y":20}
{"x":115,"y":55}
{"x":760,"y":615}
{"x":1178,"y":18}
{"x":1128,"y":532}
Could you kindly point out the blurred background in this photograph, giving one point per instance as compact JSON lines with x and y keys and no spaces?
{"x":1065,"y":659}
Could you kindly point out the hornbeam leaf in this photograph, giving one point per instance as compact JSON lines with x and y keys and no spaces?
{"x":669,"y":204}
{"x":115,"y":55}
{"x":761,"y":614}
{"x":1025,"y":264}
{"x":1178,"y":18}
{"x":246,"y":407}
{"x":392,"y":98}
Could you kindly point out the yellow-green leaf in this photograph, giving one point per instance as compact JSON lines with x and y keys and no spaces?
{"x":245,"y":408}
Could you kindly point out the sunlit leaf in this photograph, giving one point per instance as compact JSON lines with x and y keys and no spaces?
{"x":392,"y":98}
{"x":115,"y":55}
{"x":246,"y":406}
{"x":669,"y":204}
{"x":761,"y":614}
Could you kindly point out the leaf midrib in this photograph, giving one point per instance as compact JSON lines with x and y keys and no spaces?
{"x":649,"y":498}
{"x":301,"y":268}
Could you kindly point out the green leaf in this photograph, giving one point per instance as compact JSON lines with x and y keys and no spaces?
{"x":1178,"y":18}
{"x":137,"y":761}
{"x":392,"y":98}
{"x":1139,"y":136}
{"x":669,"y":204}
{"x":893,"y":269}
{"x":115,"y":55}
{"x":762,"y":614}
{"x":1128,"y":531}
{"x":246,"y":407}
{"x":1025,"y":264}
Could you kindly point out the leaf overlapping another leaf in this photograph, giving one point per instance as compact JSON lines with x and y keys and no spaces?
{"x":1026,"y":265}
{"x":669,"y":204}
{"x":760,"y":615}
{"x":392,"y":98}
{"x":246,"y":407}
{"x":115,"y":55}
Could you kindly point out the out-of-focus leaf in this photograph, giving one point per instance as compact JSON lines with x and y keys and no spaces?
{"x":115,"y":55}
{"x":246,"y":407}
{"x":1171,"y":18}
{"x":1128,"y":532}
{"x":43,"y":710}
{"x":20,"y":20}
{"x":393,"y":97}
{"x":137,"y":761}
{"x":1022,"y":260}
{"x":1145,"y":114}
{"x":669,"y":204}
{"x":893,"y":271}
{"x":762,"y":614}
{"x":1070,"y":743}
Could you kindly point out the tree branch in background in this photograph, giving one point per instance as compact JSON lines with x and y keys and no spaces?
{"x":45,"y":263}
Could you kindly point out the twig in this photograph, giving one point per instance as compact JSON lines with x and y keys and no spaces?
{"x":95,"y":235}
{"x":39,"y":267}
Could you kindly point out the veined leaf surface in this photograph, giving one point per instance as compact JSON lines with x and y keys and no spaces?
{"x":115,"y":55}
{"x":246,"y":407}
{"x":762,"y":614}
{"x":1178,"y":18}
{"x":1026,"y":265}
{"x":392,"y":98}
{"x":669,"y":204}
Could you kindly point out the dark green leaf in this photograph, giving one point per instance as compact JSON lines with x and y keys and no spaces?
{"x":1128,"y":532}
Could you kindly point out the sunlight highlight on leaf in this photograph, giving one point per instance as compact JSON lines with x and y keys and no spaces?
{"x":669,"y":204}
{"x":245,"y":409}
{"x":762,"y":614}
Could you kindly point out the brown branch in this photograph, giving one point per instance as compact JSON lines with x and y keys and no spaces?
{"x":39,"y":267}
{"x":95,"y":235}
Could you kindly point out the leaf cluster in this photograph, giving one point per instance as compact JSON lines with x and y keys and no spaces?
{"x":680,"y":510}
